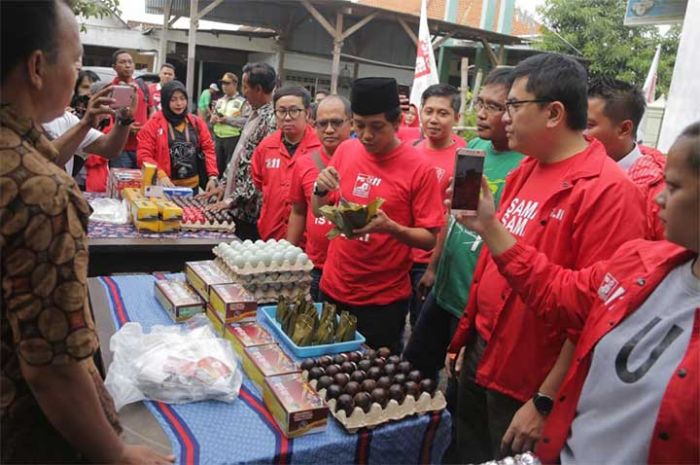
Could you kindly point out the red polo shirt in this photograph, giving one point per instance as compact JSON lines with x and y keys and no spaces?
{"x":373,"y":269}
{"x":272,"y":167}
{"x":304,"y":176}
{"x":443,"y":161}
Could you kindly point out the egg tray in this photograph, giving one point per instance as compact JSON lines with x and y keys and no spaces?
{"x":261,"y":268}
{"x":268,"y":277}
{"x":225,"y":227}
{"x":393,"y":411}
{"x":272,"y":295}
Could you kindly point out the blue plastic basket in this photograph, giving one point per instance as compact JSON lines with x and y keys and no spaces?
{"x":268,"y":314}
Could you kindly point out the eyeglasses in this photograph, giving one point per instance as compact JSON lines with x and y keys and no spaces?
{"x":292,"y":112}
{"x":510,"y":104}
{"x":488,"y":106}
{"x":335,"y":123}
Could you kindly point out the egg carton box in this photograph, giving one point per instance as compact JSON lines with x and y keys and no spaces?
{"x":271,"y":277}
{"x":252,"y":258}
{"x":270,"y":295}
{"x":226,"y":227}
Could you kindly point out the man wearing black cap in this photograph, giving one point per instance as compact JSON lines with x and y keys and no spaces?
{"x":368,"y":275}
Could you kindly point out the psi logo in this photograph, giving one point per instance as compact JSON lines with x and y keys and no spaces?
{"x":363,"y":184}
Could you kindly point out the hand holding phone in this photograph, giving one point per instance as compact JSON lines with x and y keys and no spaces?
{"x":122,"y":95}
{"x":469,"y":168}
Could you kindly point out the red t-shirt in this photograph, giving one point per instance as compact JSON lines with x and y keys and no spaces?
{"x":140,"y":116}
{"x":304,"y":175}
{"x":272,"y":167}
{"x":373,"y":269}
{"x":444,"y":163}
{"x":408,"y":133}
{"x":154,"y":90}
{"x":518,"y":218}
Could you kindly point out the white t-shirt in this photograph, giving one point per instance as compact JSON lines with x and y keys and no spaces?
{"x":631,"y":367}
{"x":61,"y":125}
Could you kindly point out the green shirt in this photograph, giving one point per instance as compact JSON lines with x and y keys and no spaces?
{"x":461,"y":249}
{"x":204,"y":100}
{"x":230,"y":107}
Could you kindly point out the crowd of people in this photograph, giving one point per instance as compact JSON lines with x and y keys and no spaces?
{"x":565,"y":312}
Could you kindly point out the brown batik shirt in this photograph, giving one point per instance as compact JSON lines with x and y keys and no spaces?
{"x":44,"y":313}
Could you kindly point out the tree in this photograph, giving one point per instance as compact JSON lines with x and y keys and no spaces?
{"x":594,"y":30}
{"x":96,"y":8}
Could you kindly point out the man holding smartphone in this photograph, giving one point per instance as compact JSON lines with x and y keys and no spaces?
{"x":123,"y":64}
{"x":571,"y":202}
{"x":368,"y":275}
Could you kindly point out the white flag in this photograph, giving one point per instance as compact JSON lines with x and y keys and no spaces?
{"x":426,"y":70}
{"x":649,"y":88}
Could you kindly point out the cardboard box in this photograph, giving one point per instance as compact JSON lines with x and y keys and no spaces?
{"x":204,"y":274}
{"x":248,"y":334}
{"x":296,"y":407}
{"x":260,"y":362}
{"x":122,"y":178}
{"x":167,"y":210}
{"x":178,"y":299}
{"x":143,"y":209}
{"x":233,"y":303}
{"x":219,"y":326}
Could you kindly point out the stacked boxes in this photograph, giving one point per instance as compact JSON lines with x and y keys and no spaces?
{"x":122,"y":178}
{"x":178,"y":299}
{"x":261,"y":362}
{"x":248,"y":334}
{"x":232,"y":303}
{"x":296,"y":407}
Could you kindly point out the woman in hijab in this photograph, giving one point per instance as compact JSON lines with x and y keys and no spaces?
{"x":178,"y":143}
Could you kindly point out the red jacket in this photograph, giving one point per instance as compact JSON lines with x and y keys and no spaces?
{"x":595,"y":210}
{"x":648,"y":173}
{"x":592,"y":302}
{"x":272,"y":168}
{"x":154,"y":146}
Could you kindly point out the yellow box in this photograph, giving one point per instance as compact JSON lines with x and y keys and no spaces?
{"x":178,"y":299}
{"x":167,"y":210}
{"x":219,"y":327}
{"x":248,"y":334}
{"x":260,"y":362}
{"x":142,"y":209}
{"x":233,"y":303}
{"x":203,"y":274}
{"x":148,"y":171}
{"x":169,"y":226}
{"x":295,"y":406}
{"x":131,"y":193}
{"x":147,"y":225}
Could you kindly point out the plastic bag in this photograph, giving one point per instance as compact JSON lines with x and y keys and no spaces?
{"x":172,"y":364}
{"x":109,"y":211}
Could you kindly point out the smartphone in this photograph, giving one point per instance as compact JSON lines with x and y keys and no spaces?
{"x":469,"y":168}
{"x":122,"y":96}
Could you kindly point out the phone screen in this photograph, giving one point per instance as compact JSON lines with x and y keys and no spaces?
{"x":469,"y":168}
{"x":122,"y":96}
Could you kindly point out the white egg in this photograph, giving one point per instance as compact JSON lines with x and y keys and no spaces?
{"x":278,"y":258}
{"x":239,"y":261}
{"x":291,"y":256}
{"x":259,"y":242}
{"x":271,"y":241}
{"x":284,"y":242}
{"x":303,"y":259}
{"x":266,"y":258}
{"x":253,"y":260}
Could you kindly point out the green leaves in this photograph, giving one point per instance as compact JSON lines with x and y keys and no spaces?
{"x":594,"y":30}
{"x":94,"y":8}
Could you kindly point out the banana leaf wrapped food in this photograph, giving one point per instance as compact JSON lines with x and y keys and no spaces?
{"x":282,"y":309}
{"x":329,"y":314}
{"x":346,"y":327}
{"x":348,"y":216}
{"x":325,"y":334}
{"x":303,"y":334}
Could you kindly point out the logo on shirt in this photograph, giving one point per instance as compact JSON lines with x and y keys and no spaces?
{"x":519,"y":213}
{"x":440,"y":173}
{"x":363,"y":184}
{"x":557,"y":214}
{"x":610,"y":289}
{"x":271,"y":163}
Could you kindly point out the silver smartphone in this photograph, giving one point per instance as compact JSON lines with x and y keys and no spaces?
{"x":466,"y":188}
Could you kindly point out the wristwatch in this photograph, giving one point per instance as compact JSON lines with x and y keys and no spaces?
{"x":543,"y":403}
{"x":318,"y":192}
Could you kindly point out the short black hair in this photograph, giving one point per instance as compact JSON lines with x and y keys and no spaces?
{"x":347,"y":106}
{"x":559,"y":78}
{"x":295,"y":91}
{"x":115,"y":55}
{"x":692,"y":132}
{"x":167,"y":65}
{"x":443,"y":90}
{"x":501,"y":76}
{"x":261,"y":74}
{"x":623,"y":101}
{"x":27,"y":26}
